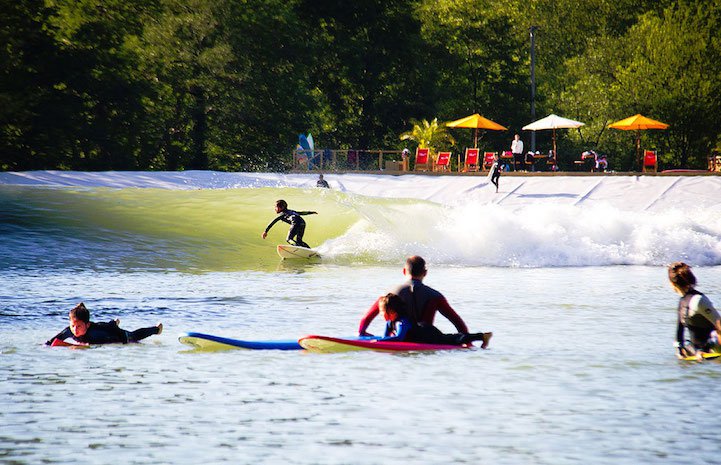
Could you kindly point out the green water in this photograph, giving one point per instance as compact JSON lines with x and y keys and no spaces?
{"x":199,"y":229}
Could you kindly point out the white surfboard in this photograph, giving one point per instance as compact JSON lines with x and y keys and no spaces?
{"x":291,"y":251}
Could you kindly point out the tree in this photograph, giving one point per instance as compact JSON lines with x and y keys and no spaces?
{"x":364,"y":64}
{"x":429,"y":134}
{"x":664,"y":67}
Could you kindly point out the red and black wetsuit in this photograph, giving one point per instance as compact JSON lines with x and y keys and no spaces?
{"x":422,"y":303}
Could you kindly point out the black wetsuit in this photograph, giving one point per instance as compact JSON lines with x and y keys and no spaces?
{"x":699,"y":325}
{"x":495,"y":174}
{"x":106,"y":333}
{"x":297,"y":226}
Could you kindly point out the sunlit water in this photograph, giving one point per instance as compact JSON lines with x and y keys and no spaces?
{"x":580,"y":370}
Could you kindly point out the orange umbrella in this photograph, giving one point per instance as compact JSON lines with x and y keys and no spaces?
{"x":476,"y":122}
{"x":637,"y":123}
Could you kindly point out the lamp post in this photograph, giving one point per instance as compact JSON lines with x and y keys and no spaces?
{"x":533,"y":84}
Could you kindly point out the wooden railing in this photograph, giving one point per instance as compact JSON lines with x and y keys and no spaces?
{"x":347,"y":160}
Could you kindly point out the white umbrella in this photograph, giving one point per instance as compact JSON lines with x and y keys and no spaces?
{"x":552,"y":122}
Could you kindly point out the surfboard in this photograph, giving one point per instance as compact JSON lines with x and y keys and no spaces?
{"x":692,"y":358}
{"x":293,"y":251}
{"x":74,"y":344}
{"x":210,"y":343}
{"x":327,"y":345}
{"x":715,"y":353}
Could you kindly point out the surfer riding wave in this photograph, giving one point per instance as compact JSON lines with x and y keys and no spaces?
{"x":293,"y":218}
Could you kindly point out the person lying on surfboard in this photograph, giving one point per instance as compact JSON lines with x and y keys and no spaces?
{"x":695,"y":313}
{"x":293,"y":218}
{"x":399,"y":326}
{"x":421,"y":301}
{"x":83,"y":330}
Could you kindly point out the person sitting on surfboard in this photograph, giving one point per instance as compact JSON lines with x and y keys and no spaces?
{"x":399,"y":326}
{"x":421,"y":301}
{"x":293,"y":218}
{"x":695,"y":313}
{"x":83,"y":330}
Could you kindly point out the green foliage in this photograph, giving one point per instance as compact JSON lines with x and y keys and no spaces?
{"x":229,"y":84}
{"x":664,"y":67}
{"x":430,"y":135}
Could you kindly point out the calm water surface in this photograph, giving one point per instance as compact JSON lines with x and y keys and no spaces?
{"x":576,"y":373}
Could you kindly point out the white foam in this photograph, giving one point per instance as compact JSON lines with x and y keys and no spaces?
{"x":533,"y":236}
{"x":531,"y":222}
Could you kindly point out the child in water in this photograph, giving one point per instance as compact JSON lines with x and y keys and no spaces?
{"x":83,"y":330}
{"x":695,"y":312}
{"x":400,"y":328}
{"x":293,"y":218}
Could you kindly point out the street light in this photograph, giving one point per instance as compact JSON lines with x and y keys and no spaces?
{"x":533,"y":84}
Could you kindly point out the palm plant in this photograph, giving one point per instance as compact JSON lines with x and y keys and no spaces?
{"x":429,"y":134}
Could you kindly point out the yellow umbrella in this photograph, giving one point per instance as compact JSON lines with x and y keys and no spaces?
{"x":476,"y":122}
{"x":637,"y":123}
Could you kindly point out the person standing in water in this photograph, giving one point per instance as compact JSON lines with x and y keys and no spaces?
{"x":695,"y":313}
{"x":322,"y":182}
{"x":293,"y":218}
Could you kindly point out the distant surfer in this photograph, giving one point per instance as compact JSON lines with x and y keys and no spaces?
{"x":322,"y":182}
{"x":293,"y":218}
{"x":399,"y":326}
{"x":695,"y":313}
{"x":421,"y":301}
{"x":83,"y":330}
{"x":495,"y":173}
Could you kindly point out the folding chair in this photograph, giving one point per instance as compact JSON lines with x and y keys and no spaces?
{"x":650,"y":161}
{"x":488,"y":160}
{"x":422,"y":163}
{"x":443,"y":161}
{"x":471,"y":162}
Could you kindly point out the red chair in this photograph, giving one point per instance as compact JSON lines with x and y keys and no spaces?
{"x":471,"y":163}
{"x":488,"y":160}
{"x":422,"y":159}
{"x":650,"y":161}
{"x":443,"y":161}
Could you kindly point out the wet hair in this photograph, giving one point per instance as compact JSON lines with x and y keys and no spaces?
{"x":681,"y":276}
{"x":394,"y":303}
{"x":80,"y":312}
{"x":416,"y":265}
{"x":282,"y":204}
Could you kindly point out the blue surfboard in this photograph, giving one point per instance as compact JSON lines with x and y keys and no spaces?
{"x":209,"y":342}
